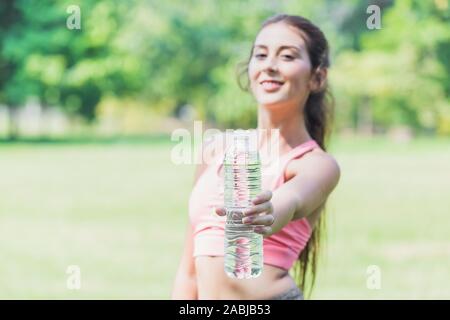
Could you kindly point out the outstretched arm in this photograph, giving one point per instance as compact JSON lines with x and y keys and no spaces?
{"x":316,"y":177}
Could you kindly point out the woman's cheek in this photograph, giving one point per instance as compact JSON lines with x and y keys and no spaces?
{"x":253,"y":77}
{"x":297,"y":76}
{"x":252,"y":73}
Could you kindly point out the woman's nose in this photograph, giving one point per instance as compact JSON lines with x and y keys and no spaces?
{"x":270,"y":64}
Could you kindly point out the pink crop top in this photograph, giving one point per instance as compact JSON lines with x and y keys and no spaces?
{"x":280,"y":249}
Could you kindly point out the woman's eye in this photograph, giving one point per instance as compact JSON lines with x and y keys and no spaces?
{"x":260,"y":55}
{"x":288,"y":57}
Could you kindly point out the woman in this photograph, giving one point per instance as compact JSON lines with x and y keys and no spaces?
{"x":287,"y":73}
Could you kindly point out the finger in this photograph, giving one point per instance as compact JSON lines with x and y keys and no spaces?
{"x":220,"y":211}
{"x":262,"y":197}
{"x":266,"y":220}
{"x":263,"y":230}
{"x":260,"y":208}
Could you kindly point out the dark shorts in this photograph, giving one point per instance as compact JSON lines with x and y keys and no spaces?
{"x":291,"y":294}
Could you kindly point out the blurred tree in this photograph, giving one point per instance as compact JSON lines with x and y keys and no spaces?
{"x":71,"y":69}
{"x":399,"y":75}
{"x":352,"y":25}
{"x":189,"y":54}
{"x":180,"y":49}
{"x":169,"y":54}
{"x":10,"y":93}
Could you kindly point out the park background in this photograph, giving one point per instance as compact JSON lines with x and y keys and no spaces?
{"x":86,"y":117}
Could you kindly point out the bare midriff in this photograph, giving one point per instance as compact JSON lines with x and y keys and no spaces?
{"x":214,"y":284}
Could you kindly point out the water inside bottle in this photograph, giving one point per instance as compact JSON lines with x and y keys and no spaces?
{"x":242,"y":174}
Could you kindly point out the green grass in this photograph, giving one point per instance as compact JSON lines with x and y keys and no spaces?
{"x":119,"y":211}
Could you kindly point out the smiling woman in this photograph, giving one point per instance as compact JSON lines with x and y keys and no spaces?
{"x":287,"y":72}
{"x":291,"y":62}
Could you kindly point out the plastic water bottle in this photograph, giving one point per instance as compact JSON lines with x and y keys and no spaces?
{"x":242,"y":174}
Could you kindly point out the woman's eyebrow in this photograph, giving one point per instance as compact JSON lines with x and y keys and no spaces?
{"x":280,"y":48}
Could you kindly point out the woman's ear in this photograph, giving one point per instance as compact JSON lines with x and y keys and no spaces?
{"x":318,"y":80}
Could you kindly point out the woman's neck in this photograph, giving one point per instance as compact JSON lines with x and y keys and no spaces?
{"x":287,"y":124}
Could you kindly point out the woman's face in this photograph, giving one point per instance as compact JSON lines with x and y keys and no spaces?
{"x":279,"y":69}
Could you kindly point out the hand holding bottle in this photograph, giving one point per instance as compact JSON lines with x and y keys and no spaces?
{"x":260,"y":214}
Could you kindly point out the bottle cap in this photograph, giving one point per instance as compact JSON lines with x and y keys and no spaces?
{"x":245,"y":139}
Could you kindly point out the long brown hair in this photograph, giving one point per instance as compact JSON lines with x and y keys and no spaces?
{"x":318,"y":115}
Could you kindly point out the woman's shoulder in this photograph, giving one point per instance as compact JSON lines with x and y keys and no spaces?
{"x":316,"y":160}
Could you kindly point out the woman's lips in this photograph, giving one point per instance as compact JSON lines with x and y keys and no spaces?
{"x":271,"y":85}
